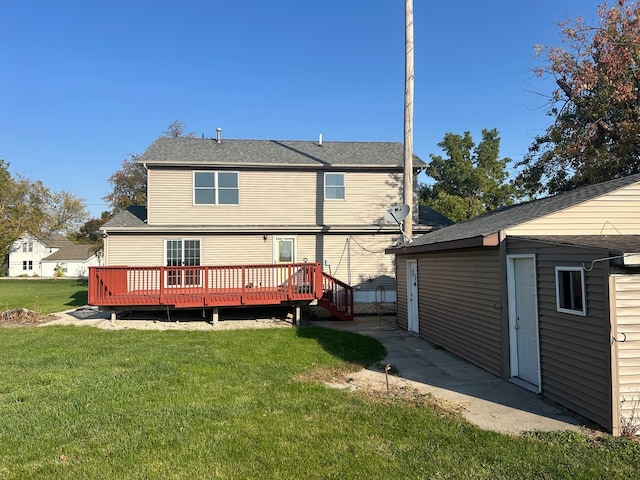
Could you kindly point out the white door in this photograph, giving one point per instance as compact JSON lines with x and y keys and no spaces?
{"x":523,"y":319}
{"x":412,"y":296}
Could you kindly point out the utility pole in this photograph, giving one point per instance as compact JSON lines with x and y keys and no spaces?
{"x":408,"y":115}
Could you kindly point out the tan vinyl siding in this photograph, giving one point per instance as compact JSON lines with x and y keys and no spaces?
{"x":627,"y":325}
{"x":274,"y":198}
{"x":134,"y":251}
{"x":367,"y":198}
{"x":352,"y":258}
{"x":614,"y":213}
{"x":359,"y":258}
{"x":574,"y":349}
{"x":459,"y":303}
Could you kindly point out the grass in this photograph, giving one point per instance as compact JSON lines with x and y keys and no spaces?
{"x":42,"y":295}
{"x":78,"y":402}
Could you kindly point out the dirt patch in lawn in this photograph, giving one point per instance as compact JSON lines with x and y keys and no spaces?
{"x":378,"y":387}
{"x":21,"y":317}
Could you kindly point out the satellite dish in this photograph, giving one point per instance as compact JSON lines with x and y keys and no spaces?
{"x":397,"y":213}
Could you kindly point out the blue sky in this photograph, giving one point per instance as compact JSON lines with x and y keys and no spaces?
{"x":84,"y":84}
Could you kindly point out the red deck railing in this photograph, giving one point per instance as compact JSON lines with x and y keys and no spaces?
{"x":337,"y":297}
{"x":217,"y":286}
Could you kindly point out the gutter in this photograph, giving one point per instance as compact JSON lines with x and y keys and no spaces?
{"x":261,"y":229}
{"x":491,"y":240}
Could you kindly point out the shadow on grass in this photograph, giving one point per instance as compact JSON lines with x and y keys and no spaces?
{"x":347,"y":346}
{"x":80,"y":297}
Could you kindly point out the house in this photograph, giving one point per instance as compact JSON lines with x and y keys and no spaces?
{"x":545,"y":293}
{"x":222,"y":202}
{"x":43,"y":255}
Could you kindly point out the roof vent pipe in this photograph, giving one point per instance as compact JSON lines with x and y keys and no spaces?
{"x":218,"y":135}
{"x":319,"y":139}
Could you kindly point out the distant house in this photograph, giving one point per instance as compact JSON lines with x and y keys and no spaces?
{"x":546,"y":294}
{"x":220,"y":202}
{"x":43,"y":255}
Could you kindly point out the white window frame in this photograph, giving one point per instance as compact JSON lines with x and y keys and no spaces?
{"x":583,"y":287}
{"x":294,"y":246}
{"x":215,"y":188}
{"x":180,"y":278}
{"x":344,"y":186}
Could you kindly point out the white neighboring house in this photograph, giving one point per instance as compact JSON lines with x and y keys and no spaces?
{"x":40,"y":256}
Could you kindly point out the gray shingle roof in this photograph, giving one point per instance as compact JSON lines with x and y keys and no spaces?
{"x":71,"y":252}
{"x":429,"y":216}
{"x":282,"y":153}
{"x":498,"y":220}
{"x":133,"y":216}
{"x":52,"y":240}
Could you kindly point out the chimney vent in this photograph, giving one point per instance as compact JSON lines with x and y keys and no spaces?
{"x":319,"y":139}
{"x":218,"y":135}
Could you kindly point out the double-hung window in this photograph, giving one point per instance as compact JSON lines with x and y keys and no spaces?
{"x":334,"y":188}
{"x":215,"y":188}
{"x":570,"y":290}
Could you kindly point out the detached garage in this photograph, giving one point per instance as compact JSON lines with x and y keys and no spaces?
{"x":545,"y":294}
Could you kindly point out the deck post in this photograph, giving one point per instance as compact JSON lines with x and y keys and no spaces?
{"x":215,"y":315}
{"x":296,"y":317}
{"x":113,"y":316}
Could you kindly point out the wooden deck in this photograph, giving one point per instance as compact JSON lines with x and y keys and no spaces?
{"x":219,"y":286}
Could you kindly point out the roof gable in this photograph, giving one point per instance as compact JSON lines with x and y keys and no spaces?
{"x":489,"y":224}
{"x":274,"y":153}
{"x":50,"y":240}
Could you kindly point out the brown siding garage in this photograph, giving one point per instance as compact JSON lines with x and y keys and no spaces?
{"x":574,"y":349}
{"x":459,"y":303}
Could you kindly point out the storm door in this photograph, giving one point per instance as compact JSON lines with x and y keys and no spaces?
{"x":284,"y":252}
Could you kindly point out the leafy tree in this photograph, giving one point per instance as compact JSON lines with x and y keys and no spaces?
{"x":470,"y":180}
{"x":89,"y":232}
{"x":27,"y":206}
{"x":595,"y":135}
{"x":129,"y":185}
{"x":65,"y":212}
{"x":22,"y":207}
{"x":176,"y":130}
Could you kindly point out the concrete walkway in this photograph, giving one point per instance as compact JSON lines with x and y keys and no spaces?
{"x":486,"y":400}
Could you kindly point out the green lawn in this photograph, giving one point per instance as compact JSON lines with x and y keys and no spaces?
{"x":78,"y":402}
{"x":42,"y":295}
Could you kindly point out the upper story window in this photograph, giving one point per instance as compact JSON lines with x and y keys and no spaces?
{"x":334,"y":186}
{"x":215,"y":188}
{"x":570,"y":290}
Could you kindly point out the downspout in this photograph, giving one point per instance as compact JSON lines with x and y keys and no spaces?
{"x":146,"y":199}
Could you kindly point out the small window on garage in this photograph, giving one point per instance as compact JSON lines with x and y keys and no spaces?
{"x":570,"y":290}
